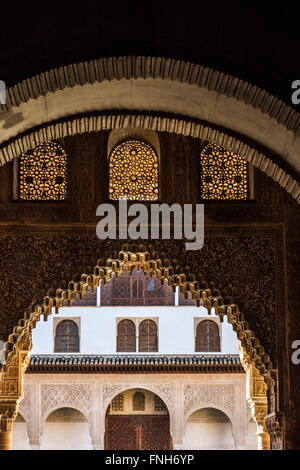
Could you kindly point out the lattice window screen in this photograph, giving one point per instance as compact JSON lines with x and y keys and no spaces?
{"x":43,"y":173}
{"x":224,"y":175}
{"x":126,"y":341}
{"x":138,"y":402}
{"x":67,"y":337}
{"x":133,"y":172}
{"x":148,"y":341}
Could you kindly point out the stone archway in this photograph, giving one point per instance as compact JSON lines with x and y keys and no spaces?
{"x":65,"y":427}
{"x":20,"y":440}
{"x":216,"y":107}
{"x":137,"y":429}
{"x":209,"y":428}
{"x":20,"y":341}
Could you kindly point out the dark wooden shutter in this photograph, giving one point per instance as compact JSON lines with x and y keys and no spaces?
{"x":126,"y":341}
{"x":138,"y":402}
{"x":207,"y":337}
{"x":138,"y":432}
{"x":67,"y":337}
{"x":148,"y":341}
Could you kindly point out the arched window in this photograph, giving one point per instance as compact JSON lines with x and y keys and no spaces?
{"x":224,"y":175}
{"x":148,"y":336}
{"x":133,"y":172}
{"x":67,"y":337}
{"x":138,"y":402}
{"x":126,"y":341}
{"x":207,"y":337}
{"x":43,"y":173}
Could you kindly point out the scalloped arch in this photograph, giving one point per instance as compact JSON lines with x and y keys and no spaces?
{"x":161,"y":124}
{"x":20,"y":341}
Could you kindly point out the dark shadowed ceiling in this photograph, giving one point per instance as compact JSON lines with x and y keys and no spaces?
{"x":257,"y":43}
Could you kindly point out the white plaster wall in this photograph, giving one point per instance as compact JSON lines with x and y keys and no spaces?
{"x":20,"y":439}
{"x":66,"y":436}
{"x":99,"y":329}
{"x":208,"y":436}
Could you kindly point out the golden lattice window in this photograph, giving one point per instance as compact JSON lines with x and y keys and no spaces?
{"x":43,"y":173}
{"x":224,"y":175}
{"x":133,"y":172}
{"x":117,"y":403}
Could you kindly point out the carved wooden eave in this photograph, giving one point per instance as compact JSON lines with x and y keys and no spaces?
{"x":91,"y":364}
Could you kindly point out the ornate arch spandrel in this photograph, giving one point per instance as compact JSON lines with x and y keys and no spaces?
{"x":19,"y":342}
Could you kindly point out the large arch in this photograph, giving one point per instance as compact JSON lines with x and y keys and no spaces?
{"x":215,"y":107}
{"x":155,"y":389}
{"x":256,"y":362}
{"x":150,"y":387}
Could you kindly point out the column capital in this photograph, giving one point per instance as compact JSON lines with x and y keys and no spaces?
{"x":274,"y":425}
{"x":263,"y":439}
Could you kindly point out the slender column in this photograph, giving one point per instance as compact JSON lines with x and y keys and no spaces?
{"x":177,"y":421}
{"x":240,"y":412}
{"x":34,"y":429}
{"x":258,"y":401}
{"x":263,"y":439}
{"x":8,"y":413}
{"x":98,"y":442}
{"x":96,"y":419}
{"x":239,"y":439}
{"x":177,"y":447}
{"x":5,"y":440}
